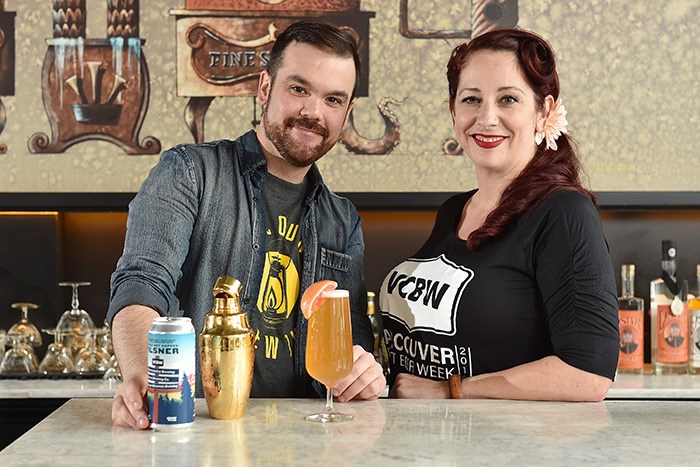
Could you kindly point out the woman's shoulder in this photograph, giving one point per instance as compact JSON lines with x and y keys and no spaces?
{"x":567,"y":198}
{"x":455,"y":203}
{"x":563,"y":211}
{"x":570,"y":204}
{"x":562,"y":218}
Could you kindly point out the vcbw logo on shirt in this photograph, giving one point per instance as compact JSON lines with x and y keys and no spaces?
{"x":424,"y":294}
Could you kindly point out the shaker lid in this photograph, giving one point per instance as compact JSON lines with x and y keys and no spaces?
{"x":227,"y":285}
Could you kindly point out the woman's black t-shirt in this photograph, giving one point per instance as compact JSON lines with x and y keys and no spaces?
{"x":545,"y":287}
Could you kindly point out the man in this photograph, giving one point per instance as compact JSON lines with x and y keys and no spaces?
{"x":627,"y":343}
{"x":256,"y":209}
{"x":675,"y":339}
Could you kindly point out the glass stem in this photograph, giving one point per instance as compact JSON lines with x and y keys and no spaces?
{"x":329,"y":399}
{"x":75,"y":304}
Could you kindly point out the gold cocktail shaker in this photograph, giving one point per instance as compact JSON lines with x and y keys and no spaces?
{"x":226,"y":352}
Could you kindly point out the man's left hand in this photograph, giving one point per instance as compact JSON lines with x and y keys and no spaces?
{"x":366,"y":380}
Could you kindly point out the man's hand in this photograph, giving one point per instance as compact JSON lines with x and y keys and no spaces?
{"x":129,"y":404}
{"x":407,"y":386}
{"x":130,"y":339}
{"x":365,"y":382}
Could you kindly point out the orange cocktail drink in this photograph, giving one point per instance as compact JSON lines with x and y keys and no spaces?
{"x":329,"y":339}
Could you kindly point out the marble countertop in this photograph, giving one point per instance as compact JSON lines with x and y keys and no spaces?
{"x":384,"y":432}
{"x":625,"y":387}
{"x":55,"y":388}
{"x":649,"y":386}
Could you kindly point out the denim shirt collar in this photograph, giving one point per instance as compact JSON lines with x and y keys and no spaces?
{"x":253,"y":164}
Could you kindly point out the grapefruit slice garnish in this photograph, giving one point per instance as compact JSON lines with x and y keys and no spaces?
{"x":313,"y":296}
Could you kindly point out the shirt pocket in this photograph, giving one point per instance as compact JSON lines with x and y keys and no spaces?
{"x":334,"y":265}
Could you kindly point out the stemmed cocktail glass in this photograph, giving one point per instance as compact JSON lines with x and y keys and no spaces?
{"x":24,"y":333}
{"x":92,"y":359}
{"x":57,"y":359}
{"x":18,"y":360}
{"x":113,"y":373}
{"x":75,"y":324}
{"x":329,"y":347}
{"x":104,"y":339}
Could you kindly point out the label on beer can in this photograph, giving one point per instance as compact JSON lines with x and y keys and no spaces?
{"x":171,"y":373}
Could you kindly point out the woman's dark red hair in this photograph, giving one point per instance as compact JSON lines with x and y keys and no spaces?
{"x":549,"y":171}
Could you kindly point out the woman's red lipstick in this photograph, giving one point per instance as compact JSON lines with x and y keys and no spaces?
{"x":487,"y":141}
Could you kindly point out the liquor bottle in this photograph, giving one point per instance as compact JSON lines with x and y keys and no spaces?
{"x":669,"y":317}
{"x":380,"y":353}
{"x":631,"y":325}
{"x":694,"y":331}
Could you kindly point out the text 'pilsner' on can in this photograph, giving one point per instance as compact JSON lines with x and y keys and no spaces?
{"x":171,"y":373}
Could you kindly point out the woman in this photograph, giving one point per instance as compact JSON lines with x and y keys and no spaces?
{"x":513,"y":294}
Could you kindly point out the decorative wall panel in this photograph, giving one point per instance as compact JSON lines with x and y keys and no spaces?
{"x":628,"y":68}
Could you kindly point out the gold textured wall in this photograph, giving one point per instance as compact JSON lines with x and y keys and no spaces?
{"x":629,"y":82}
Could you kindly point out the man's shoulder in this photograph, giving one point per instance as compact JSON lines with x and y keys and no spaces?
{"x":204,"y":149}
{"x":335,"y":200}
{"x":331,"y":205}
{"x":217,"y":155}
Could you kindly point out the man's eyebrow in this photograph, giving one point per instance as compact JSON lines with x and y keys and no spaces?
{"x":297,"y":78}
{"x":301,"y":80}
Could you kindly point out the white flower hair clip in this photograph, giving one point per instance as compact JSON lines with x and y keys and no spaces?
{"x":554,"y":126}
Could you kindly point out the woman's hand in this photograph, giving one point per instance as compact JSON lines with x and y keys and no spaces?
{"x":407,"y":386}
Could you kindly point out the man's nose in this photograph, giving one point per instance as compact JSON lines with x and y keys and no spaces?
{"x":312,"y":108}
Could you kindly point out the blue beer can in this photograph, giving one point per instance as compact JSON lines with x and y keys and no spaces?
{"x":171,"y":373}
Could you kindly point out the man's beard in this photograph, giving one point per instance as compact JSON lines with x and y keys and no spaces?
{"x":295,"y":153}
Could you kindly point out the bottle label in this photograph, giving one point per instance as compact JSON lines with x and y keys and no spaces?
{"x":672,"y":335}
{"x":631,"y":340}
{"x":694,"y":352}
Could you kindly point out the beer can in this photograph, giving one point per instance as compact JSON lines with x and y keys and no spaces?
{"x":171,"y":373}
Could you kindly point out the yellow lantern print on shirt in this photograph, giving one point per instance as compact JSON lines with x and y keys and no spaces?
{"x":279,"y":285}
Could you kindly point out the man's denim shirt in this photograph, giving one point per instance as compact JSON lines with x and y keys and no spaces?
{"x":200,"y":215}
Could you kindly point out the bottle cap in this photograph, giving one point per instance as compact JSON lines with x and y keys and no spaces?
{"x":668,"y":250}
{"x":370,"y":303}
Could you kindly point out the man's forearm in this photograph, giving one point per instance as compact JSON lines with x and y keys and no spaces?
{"x":130,"y":339}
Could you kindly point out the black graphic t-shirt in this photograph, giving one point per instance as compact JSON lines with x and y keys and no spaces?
{"x":274,"y":322}
{"x":546,"y":287}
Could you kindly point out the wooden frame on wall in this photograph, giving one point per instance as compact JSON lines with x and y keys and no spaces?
{"x":92,"y":202}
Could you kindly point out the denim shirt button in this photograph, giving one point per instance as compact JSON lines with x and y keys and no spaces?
{"x":246,"y":301}
{"x":255,"y":246}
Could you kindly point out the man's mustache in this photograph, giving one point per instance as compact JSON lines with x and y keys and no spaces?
{"x":307,"y":124}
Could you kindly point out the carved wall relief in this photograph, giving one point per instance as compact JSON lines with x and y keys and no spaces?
{"x":95,"y":89}
{"x":7,"y":62}
{"x":486,"y":15}
{"x":223,"y":45}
